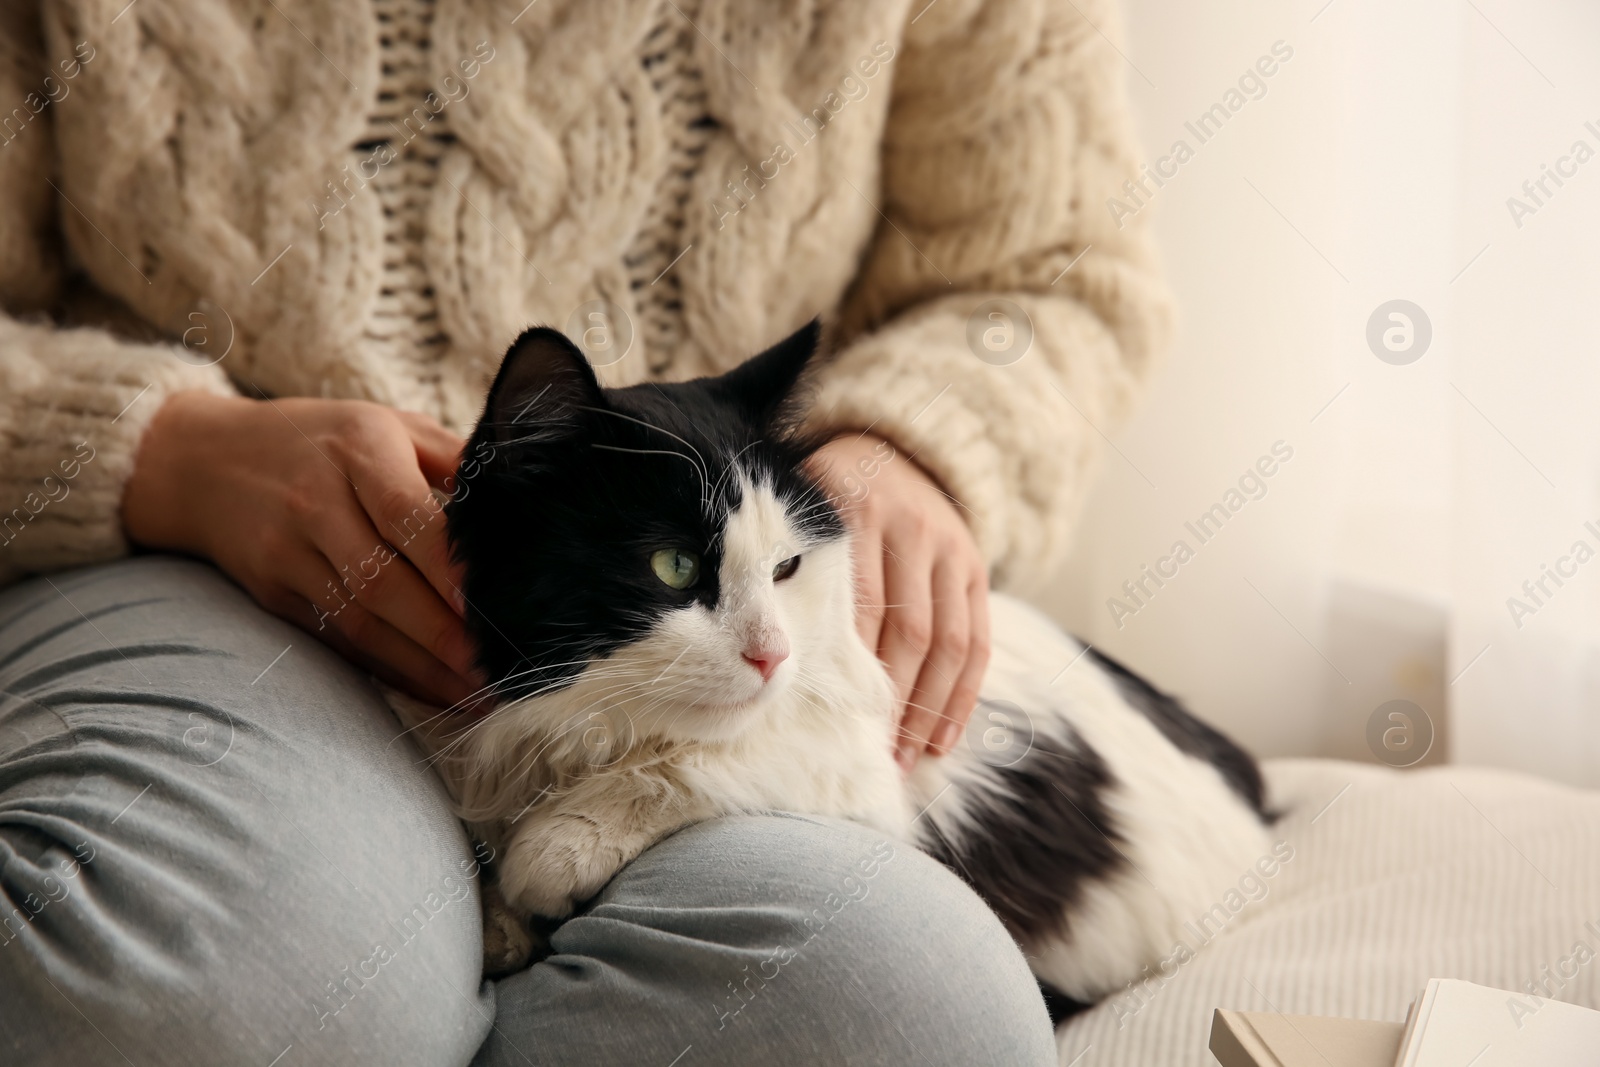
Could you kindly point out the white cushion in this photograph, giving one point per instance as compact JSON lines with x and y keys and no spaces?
{"x":1396,"y":877}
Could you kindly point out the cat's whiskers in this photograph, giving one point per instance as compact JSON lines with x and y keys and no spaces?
{"x":733,"y":467}
{"x":552,"y":686}
{"x":544,"y":436}
{"x":459,"y":739}
{"x":519,"y":419}
{"x":540,"y":689}
{"x":850,"y":696}
{"x":705,"y":498}
{"x":617,"y":698}
{"x":814,"y":506}
{"x":584,"y":713}
{"x":493,"y":689}
{"x":704,"y":470}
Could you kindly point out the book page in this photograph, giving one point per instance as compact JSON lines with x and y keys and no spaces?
{"x":1456,"y":1024}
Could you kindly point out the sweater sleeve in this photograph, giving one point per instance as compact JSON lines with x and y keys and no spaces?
{"x":73,"y":403}
{"x":1002,"y":317}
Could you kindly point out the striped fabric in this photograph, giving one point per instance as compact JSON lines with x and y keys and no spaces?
{"x":1395,"y":877}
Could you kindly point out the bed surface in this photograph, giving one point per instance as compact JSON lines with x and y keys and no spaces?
{"x":1396,"y":877}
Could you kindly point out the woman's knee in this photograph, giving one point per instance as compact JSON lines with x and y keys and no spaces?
{"x":761,"y":936}
{"x":905,"y":958}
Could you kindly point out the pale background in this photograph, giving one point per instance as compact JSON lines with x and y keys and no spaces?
{"x":1379,"y":563}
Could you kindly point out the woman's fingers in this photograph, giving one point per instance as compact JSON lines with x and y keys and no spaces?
{"x":947,"y":653}
{"x":438,"y":449}
{"x":964,"y":694}
{"x":398,"y":499}
{"x":922,"y":594}
{"x":906,"y":637}
{"x":372,"y":574}
{"x":365,"y":638}
{"x":867,"y":559}
{"x":392,"y":552}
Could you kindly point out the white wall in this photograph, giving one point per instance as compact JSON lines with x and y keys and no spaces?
{"x":1376,"y":566}
{"x":1530,"y":358}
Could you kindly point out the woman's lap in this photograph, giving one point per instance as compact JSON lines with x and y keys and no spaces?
{"x":779,"y":939}
{"x":249,"y":831}
{"x":215,"y":846}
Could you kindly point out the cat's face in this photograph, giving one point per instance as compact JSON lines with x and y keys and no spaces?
{"x":651,"y":561}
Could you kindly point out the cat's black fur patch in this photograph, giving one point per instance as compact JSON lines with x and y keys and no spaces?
{"x":1188,"y":734}
{"x":581,"y":484}
{"x":1034,"y":834}
{"x":1059,"y":1005}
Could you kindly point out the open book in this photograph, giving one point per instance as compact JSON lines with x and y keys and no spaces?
{"x":1454,"y":1023}
{"x":1451,"y":1024}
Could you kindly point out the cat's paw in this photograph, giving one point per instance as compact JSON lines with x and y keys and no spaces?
{"x":508,"y":942}
{"x":551,"y":867}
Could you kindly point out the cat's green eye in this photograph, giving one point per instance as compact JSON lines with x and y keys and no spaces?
{"x":786,"y":569}
{"x":676,"y":567}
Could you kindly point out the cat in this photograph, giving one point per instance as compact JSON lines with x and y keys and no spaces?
{"x":661,"y":596}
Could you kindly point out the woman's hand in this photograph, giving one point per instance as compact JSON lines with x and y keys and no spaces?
{"x":323,"y":511}
{"x":921,"y":586}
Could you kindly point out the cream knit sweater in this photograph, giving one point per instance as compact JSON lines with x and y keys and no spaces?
{"x":370,"y":198}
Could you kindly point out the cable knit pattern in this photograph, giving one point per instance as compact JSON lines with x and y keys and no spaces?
{"x":659,"y":244}
{"x":377,"y":195}
{"x":404,"y":325}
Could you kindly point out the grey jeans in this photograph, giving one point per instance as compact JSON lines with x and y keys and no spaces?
{"x":217,"y":848}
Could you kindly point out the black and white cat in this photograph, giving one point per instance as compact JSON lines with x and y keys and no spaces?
{"x":662,"y":598}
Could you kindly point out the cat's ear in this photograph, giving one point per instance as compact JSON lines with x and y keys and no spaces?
{"x":544,"y":381}
{"x":763,"y":384}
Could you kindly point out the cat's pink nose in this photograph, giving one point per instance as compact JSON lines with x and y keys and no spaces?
{"x":765,"y":660}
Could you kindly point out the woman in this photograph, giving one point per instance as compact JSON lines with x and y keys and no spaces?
{"x":259,"y":263}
